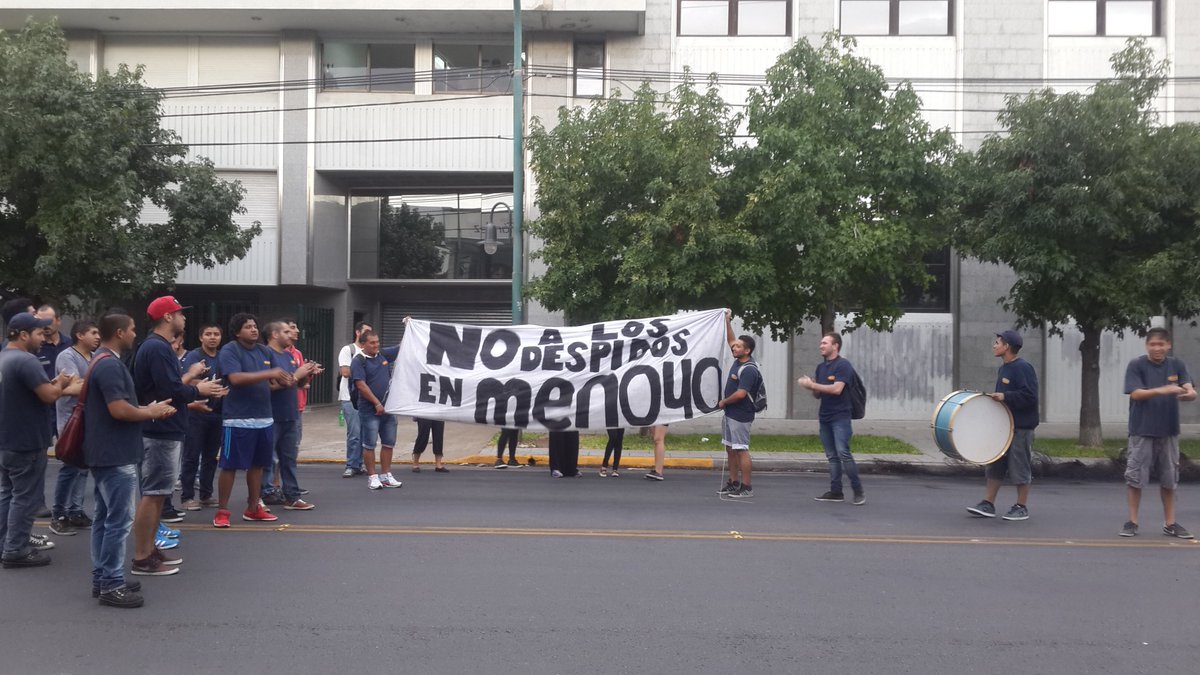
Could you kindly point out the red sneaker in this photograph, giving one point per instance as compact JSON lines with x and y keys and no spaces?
{"x":221,"y":519}
{"x":260,"y":514}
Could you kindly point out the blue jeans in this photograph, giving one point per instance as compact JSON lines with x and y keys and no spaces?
{"x":22,"y":488}
{"x":68,"y":491}
{"x":287,"y":449}
{"x":380,"y":428}
{"x":116,"y":497}
{"x":835,"y":436}
{"x":354,"y":459}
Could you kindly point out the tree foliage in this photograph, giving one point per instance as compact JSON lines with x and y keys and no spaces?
{"x":79,"y":160}
{"x":411,"y":244}
{"x":630,"y":215}
{"x":845,"y":187}
{"x":1094,"y":207}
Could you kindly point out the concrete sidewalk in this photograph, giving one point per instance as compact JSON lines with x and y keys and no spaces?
{"x":471,"y":444}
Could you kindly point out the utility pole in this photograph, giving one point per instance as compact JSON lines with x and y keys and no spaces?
{"x":518,"y":241}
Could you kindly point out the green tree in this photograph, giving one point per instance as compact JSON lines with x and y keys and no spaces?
{"x":630,"y":217}
{"x":1093,"y":206}
{"x":79,"y":160}
{"x":844,"y":187}
{"x":409,"y":244}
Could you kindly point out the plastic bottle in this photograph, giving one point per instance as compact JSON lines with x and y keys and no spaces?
{"x":341,"y":418}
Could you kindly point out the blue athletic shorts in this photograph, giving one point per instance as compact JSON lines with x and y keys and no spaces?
{"x":245,"y":448}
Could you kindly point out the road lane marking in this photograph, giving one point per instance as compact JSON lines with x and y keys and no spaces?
{"x":702,"y":535}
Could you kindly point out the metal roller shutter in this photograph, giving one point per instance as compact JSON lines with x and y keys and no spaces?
{"x":482,"y":314}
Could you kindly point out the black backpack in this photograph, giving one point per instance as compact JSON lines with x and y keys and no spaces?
{"x":759,"y":398}
{"x":858,"y":397}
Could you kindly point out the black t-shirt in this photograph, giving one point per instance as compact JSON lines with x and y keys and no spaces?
{"x":108,"y":441}
{"x":20,"y":408}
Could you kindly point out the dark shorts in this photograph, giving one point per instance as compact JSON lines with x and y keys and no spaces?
{"x":245,"y":448}
{"x":1017,"y":463}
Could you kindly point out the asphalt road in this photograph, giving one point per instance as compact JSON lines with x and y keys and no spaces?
{"x":515,"y":572}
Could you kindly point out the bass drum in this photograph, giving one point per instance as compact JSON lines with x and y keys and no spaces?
{"x":971,"y":426}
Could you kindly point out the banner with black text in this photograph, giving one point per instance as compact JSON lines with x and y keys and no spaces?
{"x":628,"y":373}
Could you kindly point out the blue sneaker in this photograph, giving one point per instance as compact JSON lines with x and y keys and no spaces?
{"x":166,"y":532}
{"x":164,"y":543}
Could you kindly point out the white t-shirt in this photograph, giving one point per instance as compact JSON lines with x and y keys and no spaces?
{"x":344,"y":358}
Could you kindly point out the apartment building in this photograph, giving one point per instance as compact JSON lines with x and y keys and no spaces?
{"x":374,"y":142}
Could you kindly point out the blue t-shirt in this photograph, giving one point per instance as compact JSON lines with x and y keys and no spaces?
{"x":749,"y":379}
{"x":285,"y":403}
{"x":214,"y":373}
{"x":251,"y":402}
{"x":157,"y":376}
{"x":20,"y":374}
{"x":835,"y":406}
{"x":108,"y":441}
{"x":1157,"y":416}
{"x":376,"y":372}
{"x":48,"y":353}
{"x":1018,"y":381}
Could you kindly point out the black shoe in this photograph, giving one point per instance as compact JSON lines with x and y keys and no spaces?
{"x":135,"y":586}
{"x":831,"y":496}
{"x":172,"y":516}
{"x":983,"y":509}
{"x":40,"y":543}
{"x":1129,"y":529}
{"x":729,"y":487}
{"x":62,"y":527}
{"x":742,"y":492}
{"x":32,"y":559}
{"x":121,"y":596}
{"x":273,"y":499}
{"x":79,"y":521}
{"x":653,"y":475}
{"x":860,"y":498}
{"x":1176,"y":530}
{"x":513,"y":462}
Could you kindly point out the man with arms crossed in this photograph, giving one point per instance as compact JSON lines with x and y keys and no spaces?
{"x":113,"y":448}
{"x":1156,"y":383}
{"x":834,"y":374}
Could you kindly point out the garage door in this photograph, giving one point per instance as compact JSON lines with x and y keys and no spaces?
{"x":480,"y":314}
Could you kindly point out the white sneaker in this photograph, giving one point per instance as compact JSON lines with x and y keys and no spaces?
{"x":389,"y":481}
{"x":373,"y":483}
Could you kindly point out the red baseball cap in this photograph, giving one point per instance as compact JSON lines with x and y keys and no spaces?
{"x":160,"y":307}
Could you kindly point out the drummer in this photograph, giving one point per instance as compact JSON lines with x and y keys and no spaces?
{"x":1017,"y":388}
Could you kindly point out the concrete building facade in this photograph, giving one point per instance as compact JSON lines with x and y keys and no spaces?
{"x":373,"y":141}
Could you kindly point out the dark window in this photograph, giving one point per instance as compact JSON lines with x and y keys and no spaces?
{"x":367,"y":67}
{"x":589,"y":68}
{"x":735,"y":17}
{"x":897,"y":17}
{"x":476,"y":68}
{"x":1104,"y":17}
{"x":936,"y":296}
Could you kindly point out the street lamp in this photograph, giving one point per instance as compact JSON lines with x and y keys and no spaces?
{"x":490,"y":243}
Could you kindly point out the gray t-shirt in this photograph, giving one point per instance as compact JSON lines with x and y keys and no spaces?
{"x":68,"y":361}
{"x":23,"y":423}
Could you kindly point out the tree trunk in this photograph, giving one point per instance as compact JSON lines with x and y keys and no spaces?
{"x":1090,"y":434}
{"x":827,"y":319}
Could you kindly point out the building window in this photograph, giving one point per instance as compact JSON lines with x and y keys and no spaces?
{"x":1121,"y":18}
{"x":936,"y":296}
{"x":735,"y":17}
{"x":368,"y":67}
{"x":897,"y":17}
{"x":471,"y":68}
{"x":589,"y":69}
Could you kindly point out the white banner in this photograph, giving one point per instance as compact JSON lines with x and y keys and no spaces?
{"x":616,"y":374}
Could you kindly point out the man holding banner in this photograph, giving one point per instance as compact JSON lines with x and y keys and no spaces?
{"x":738,"y":404}
{"x":370,"y":375}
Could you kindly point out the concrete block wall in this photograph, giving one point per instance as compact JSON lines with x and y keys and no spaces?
{"x":1183,"y":26}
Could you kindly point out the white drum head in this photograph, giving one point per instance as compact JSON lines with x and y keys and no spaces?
{"x":981,"y":430}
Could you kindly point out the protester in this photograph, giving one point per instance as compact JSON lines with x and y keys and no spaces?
{"x":1016,"y":388}
{"x":158,"y":376}
{"x":616,"y":442}
{"x":658,"y":434}
{"x":301,"y":391}
{"x":67,"y":515}
{"x":203,"y":441}
{"x":113,"y":447}
{"x":285,"y":411}
{"x":1156,"y":383}
{"x":743,"y":382}
{"x":25,"y":391}
{"x":564,"y":454}
{"x":425,"y":429}
{"x":834,"y":374}
{"x":371,"y":375}
{"x":508,"y":437}
{"x":247,"y":417}
{"x":354,"y":460}
{"x":56,"y":342}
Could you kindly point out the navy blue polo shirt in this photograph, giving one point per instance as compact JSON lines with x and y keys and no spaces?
{"x":251,"y":402}
{"x":1017,"y":380}
{"x":749,"y":379}
{"x":376,"y":372}
{"x":285,"y":403}
{"x":214,"y":373}
{"x":158,"y":377}
{"x":835,"y":407}
{"x":20,"y":375}
{"x":48,"y":353}
{"x":108,"y":441}
{"x":1157,"y":416}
